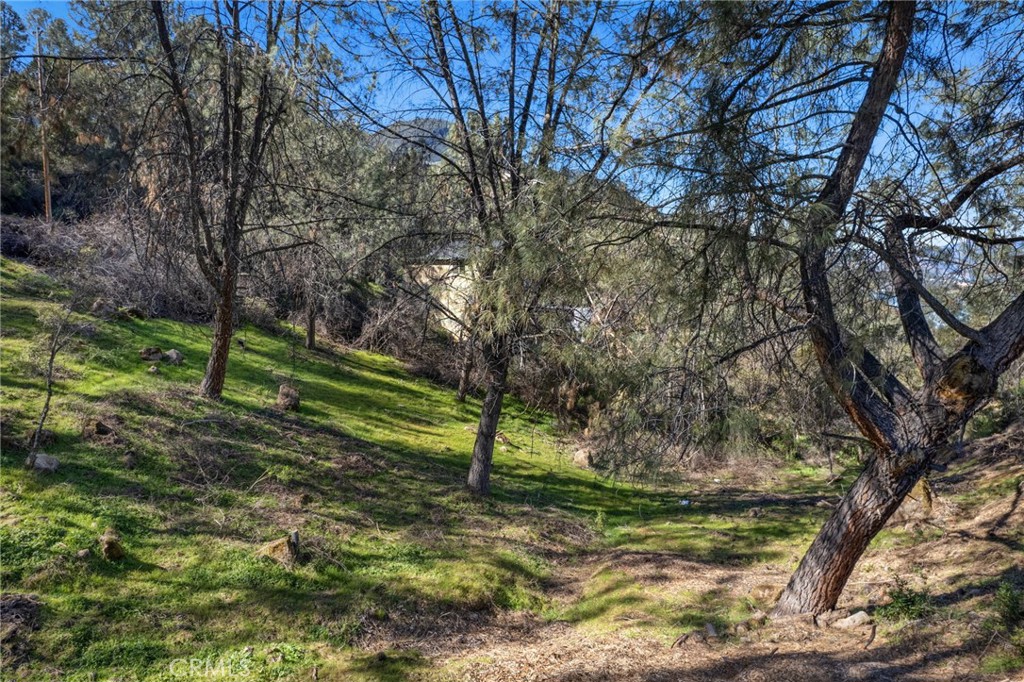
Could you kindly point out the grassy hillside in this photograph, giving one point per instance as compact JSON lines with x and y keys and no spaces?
{"x":370,"y":472}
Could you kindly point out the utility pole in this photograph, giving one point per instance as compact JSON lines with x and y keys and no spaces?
{"x":42,"y":131}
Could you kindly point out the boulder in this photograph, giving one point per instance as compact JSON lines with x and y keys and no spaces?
{"x":284,"y":551}
{"x":84,"y":553}
{"x":174,"y":357}
{"x":151,"y":354}
{"x":582,"y":458}
{"x":855,"y":621}
{"x":43,"y":462}
{"x":288,"y":397}
{"x":110,"y":545}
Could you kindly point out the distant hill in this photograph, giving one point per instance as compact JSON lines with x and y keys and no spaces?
{"x":428,"y":136}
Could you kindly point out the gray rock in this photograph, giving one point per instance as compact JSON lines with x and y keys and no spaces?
{"x":855,"y":621}
{"x":174,"y":357}
{"x":45,"y":463}
{"x":151,"y":354}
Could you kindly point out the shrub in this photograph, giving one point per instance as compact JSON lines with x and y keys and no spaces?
{"x":905,"y":603}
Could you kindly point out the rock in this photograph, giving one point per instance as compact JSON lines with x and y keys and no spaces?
{"x":174,"y":357}
{"x":110,"y":545}
{"x":710,"y":629}
{"x":154,"y":369}
{"x":856,"y":620}
{"x":84,"y":553}
{"x":288,"y":397}
{"x":582,"y":458}
{"x":43,"y":462}
{"x":284,"y":551}
{"x":151,"y":354}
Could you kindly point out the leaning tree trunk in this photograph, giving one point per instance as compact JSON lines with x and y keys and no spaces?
{"x":877,"y":493}
{"x":962,"y":385}
{"x":223,"y":330}
{"x":497,"y":357}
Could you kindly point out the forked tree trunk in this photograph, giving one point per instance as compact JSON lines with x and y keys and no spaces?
{"x":962,"y":385}
{"x":223,"y":330}
{"x":497,"y":357}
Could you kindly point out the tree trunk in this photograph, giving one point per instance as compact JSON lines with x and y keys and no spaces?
{"x":223,"y":330}
{"x":877,"y":493}
{"x":497,"y":357}
{"x":963,"y":384}
{"x":467,"y":371}
{"x":310,"y":322}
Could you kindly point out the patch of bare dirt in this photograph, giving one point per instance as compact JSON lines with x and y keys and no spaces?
{"x":957,"y":556}
{"x":19,"y":615}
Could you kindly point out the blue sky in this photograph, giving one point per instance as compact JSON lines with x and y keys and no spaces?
{"x":57,"y":9}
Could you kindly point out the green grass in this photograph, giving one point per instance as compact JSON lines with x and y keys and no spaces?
{"x":370,"y":471}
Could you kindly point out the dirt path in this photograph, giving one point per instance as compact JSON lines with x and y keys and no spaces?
{"x":794,"y":650}
{"x":959,"y":558}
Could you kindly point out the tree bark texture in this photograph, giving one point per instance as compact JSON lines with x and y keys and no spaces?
{"x":466,"y":372}
{"x":310,"y":322}
{"x":497,"y":355}
{"x":212,"y":384}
